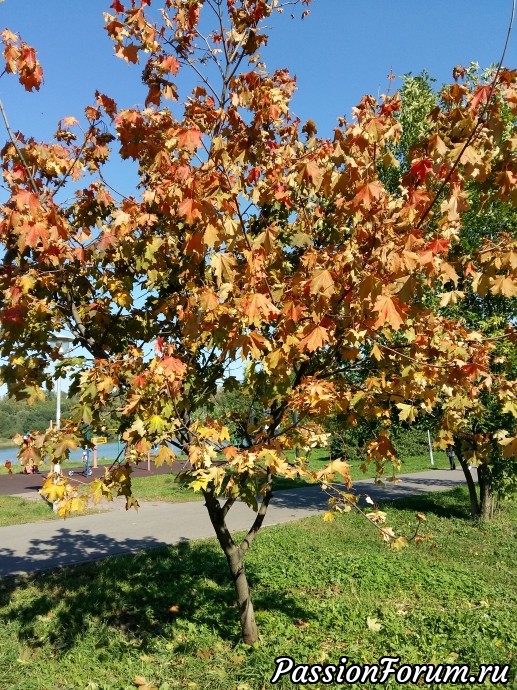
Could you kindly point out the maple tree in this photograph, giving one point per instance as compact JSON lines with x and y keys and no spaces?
{"x":485,"y":305}
{"x":249,"y":238}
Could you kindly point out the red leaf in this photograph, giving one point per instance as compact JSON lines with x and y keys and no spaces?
{"x":190,"y":209}
{"x":159,"y":344}
{"x":421,"y":168}
{"x":26,"y":198}
{"x":107,"y":103}
{"x":170,"y":64}
{"x":481,"y":96}
{"x":129,"y":53}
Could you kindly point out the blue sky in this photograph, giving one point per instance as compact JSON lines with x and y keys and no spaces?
{"x":343,"y":50}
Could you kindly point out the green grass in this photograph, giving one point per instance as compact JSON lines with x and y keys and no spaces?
{"x":17,"y":511}
{"x":164,"y":488}
{"x":168,"y":614}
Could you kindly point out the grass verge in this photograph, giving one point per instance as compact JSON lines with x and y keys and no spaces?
{"x":165,"y":488}
{"x":18,"y":511}
{"x":168,"y":615}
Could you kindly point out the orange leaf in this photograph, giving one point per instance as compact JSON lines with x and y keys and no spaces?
{"x":315,"y":339}
{"x":293,"y":311}
{"x":368,"y":193}
{"x":190,"y":138}
{"x":390,"y":312}
{"x":173,"y":364}
{"x":258,"y":305}
{"x":170,"y":64}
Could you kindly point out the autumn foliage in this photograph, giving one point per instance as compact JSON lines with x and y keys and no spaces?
{"x":250,"y":238}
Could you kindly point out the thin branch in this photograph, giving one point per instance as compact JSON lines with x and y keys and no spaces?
{"x":18,"y":150}
{"x":478,"y":124}
{"x":76,"y":158}
{"x":261,"y":514}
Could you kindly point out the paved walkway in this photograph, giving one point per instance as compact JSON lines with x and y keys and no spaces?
{"x":44,"y":545}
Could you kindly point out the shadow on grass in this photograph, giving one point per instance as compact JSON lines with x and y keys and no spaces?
{"x":140,"y":596}
{"x":454,"y":504}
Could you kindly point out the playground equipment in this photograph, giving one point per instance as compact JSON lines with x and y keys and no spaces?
{"x":87,"y":470}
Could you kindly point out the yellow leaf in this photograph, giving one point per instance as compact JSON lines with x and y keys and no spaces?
{"x":328,"y":473}
{"x":27,"y":282}
{"x":373,"y":624}
{"x":511,"y":407}
{"x":52,"y":492}
{"x":165,"y":455}
{"x":323,"y":282}
{"x":504,"y":285}
{"x":376,"y":352}
{"x":223,"y":265}
{"x":329,"y":516}
{"x":510,"y":445}
{"x":398,"y":544}
{"x":407,"y":412}
{"x":451,"y":298}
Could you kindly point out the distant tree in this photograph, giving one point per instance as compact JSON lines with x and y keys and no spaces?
{"x":18,"y":417}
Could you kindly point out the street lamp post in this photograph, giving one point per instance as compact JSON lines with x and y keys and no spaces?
{"x":64,"y":344}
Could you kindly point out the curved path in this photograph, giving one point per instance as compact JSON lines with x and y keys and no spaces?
{"x":44,"y":545}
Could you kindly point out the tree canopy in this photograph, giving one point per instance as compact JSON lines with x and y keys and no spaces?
{"x":249,"y":238}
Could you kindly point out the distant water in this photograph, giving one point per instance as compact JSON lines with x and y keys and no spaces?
{"x":107,"y":450}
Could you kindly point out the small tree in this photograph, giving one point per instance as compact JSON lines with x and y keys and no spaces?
{"x":487,"y":304}
{"x":250,"y":238}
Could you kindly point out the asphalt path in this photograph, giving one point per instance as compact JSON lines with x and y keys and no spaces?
{"x":44,"y":545}
{"x":19,"y":483}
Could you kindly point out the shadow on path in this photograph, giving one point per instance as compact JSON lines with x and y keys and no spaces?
{"x":313,"y":498}
{"x":139,"y":596}
{"x":67,"y":547}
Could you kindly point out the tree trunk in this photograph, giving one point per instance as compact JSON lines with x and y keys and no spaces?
{"x":475,"y":507}
{"x":486,"y":492}
{"x":235,"y":557}
{"x":242,"y":590}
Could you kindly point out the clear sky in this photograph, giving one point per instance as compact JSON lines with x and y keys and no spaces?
{"x":342,"y":50}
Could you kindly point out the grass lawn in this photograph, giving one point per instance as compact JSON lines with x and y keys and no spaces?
{"x":168,"y":615}
{"x":164,"y":488}
{"x":17,"y":511}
